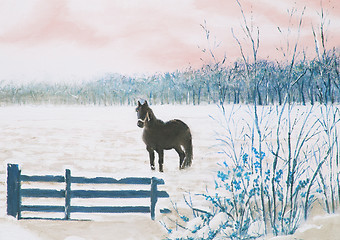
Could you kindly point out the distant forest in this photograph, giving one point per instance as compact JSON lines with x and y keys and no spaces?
{"x":308,"y":82}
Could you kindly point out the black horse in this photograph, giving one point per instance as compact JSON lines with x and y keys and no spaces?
{"x":159,"y":136}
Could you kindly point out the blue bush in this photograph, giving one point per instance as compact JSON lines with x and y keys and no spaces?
{"x":239,"y":190}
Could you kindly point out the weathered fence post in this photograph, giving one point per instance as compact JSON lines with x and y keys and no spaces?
{"x":154,"y":182}
{"x":13,"y":190}
{"x":67,"y":194}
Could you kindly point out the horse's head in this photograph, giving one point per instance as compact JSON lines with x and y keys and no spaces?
{"x":142,"y":113}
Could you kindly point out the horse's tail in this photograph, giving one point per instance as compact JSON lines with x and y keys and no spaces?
{"x":188,"y":151}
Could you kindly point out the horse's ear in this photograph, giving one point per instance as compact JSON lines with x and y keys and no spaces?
{"x":145,"y":103}
{"x":139,"y":103}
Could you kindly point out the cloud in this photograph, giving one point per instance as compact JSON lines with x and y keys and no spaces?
{"x":73,"y":37}
{"x":49,"y":21}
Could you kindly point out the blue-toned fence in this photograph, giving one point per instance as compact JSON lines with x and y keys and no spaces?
{"x":15,"y":193}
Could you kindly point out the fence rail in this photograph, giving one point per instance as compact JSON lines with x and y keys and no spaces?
{"x":15,"y":194}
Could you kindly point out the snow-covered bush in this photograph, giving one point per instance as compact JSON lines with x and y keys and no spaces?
{"x":235,"y":205}
{"x":257,"y":193}
{"x":234,"y":211}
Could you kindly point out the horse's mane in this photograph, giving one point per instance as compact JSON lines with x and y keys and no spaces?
{"x":153,"y":118}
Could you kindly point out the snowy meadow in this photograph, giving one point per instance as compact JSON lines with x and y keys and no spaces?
{"x":99,"y":141}
{"x":239,"y":186}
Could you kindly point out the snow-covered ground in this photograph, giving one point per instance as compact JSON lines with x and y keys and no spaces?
{"x":99,"y":141}
{"x":105,"y":141}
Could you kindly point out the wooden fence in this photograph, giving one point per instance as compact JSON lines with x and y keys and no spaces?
{"x":15,"y":194}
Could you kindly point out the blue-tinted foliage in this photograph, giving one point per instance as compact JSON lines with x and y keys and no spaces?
{"x":218,"y":83}
{"x":239,"y":190}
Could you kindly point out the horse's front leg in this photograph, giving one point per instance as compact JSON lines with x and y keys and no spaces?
{"x":160,"y":159}
{"x":152,"y":157}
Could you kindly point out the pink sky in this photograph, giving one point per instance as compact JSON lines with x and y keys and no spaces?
{"x":68,"y":40}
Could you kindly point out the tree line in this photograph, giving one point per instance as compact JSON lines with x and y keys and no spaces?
{"x":316,"y":81}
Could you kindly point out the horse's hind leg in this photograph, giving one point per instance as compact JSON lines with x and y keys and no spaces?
{"x":152,"y":157}
{"x":181,"y":156}
{"x":160,"y":159}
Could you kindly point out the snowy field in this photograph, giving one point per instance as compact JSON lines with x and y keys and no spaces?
{"x":105,"y":141}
